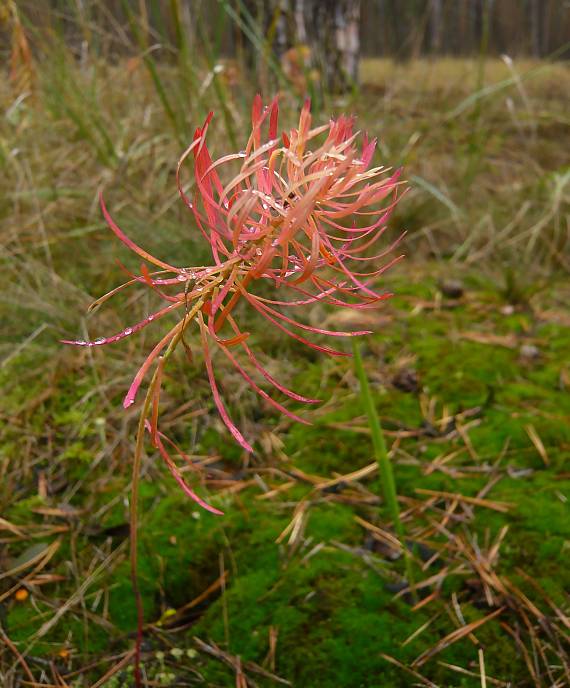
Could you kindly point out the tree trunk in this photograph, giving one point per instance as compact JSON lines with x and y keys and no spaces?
{"x":314,"y":39}
{"x":535,"y":28}
{"x":435,"y":26}
{"x":332,"y":30}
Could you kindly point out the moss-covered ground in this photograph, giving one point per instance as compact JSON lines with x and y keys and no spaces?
{"x":479,"y":380}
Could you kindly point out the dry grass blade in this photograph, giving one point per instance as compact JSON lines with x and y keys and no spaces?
{"x":441,"y":461}
{"x":420,"y":630}
{"x":19,"y":657}
{"x":466,"y":672}
{"x":10,"y":527}
{"x":437,"y":579}
{"x":277,"y":490}
{"x":425,"y":681}
{"x":114,"y":669}
{"x":295,"y":527}
{"x":482,"y":669}
{"x":349,"y":477}
{"x":271,"y":654}
{"x":76,"y":597}
{"x":524,"y":651}
{"x":235,"y":663}
{"x":57,"y":677}
{"x":509,"y":340}
{"x":453,"y":637}
{"x":45,"y":554}
{"x":32,"y":578}
{"x":564,"y":618}
{"x":535,"y":439}
{"x":463,"y":433}
{"x":486,"y":503}
{"x":383,"y":535}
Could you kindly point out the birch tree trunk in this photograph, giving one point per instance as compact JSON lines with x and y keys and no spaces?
{"x":328,"y":30}
{"x":331,"y":28}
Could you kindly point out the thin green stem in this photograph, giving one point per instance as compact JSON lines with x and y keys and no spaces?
{"x":384,"y":463}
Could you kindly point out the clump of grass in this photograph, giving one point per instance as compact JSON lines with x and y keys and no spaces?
{"x":511,"y":207}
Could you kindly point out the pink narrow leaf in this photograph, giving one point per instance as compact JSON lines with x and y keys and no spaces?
{"x":129,"y":243}
{"x":216,"y":394}
{"x":181,"y":161}
{"x":313,"y":298}
{"x":141,"y":279}
{"x":262,"y":393}
{"x":309,"y":328}
{"x":382,"y":254}
{"x":179,"y":451}
{"x":368,"y":151}
{"x":273,"y":118}
{"x":372,"y":273}
{"x":312,"y":345}
{"x":129,"y":399}
{"x":156,"y":400}
{"x":266,"y":374}
{"x":126,"y":332}
{"x":177,"y":475}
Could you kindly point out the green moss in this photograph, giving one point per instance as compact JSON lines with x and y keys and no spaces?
{"x":333,"y":611}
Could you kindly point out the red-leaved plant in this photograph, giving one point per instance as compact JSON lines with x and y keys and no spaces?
{"x":302,"y":211}
{"x":289,"y":217}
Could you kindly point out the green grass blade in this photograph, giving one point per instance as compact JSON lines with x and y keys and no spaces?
{"x":381,"y":455}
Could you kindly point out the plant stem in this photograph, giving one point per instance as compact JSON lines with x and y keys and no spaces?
{"x":152,"y":391}
{"x":134,"y":534}
{"x":384,"y":463}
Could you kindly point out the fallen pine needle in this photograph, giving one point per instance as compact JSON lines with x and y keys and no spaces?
{"x":496,"y":506}
{"x":19,"y":657}
{"x":535,"y":439}
{"x":409,"y":670}
{"x":114,"y":669}
{"x":453,"y":637}
{"x":420,"y":630}
{"x":482,"y":668}
{"x":349,"y":477}
{"x":466,"y":672}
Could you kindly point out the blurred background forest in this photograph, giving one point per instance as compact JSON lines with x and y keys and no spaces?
{"x":391,"y":28}
{"x":302,"y":581}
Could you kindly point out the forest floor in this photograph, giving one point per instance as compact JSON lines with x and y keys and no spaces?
{"x":301,"y":581}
